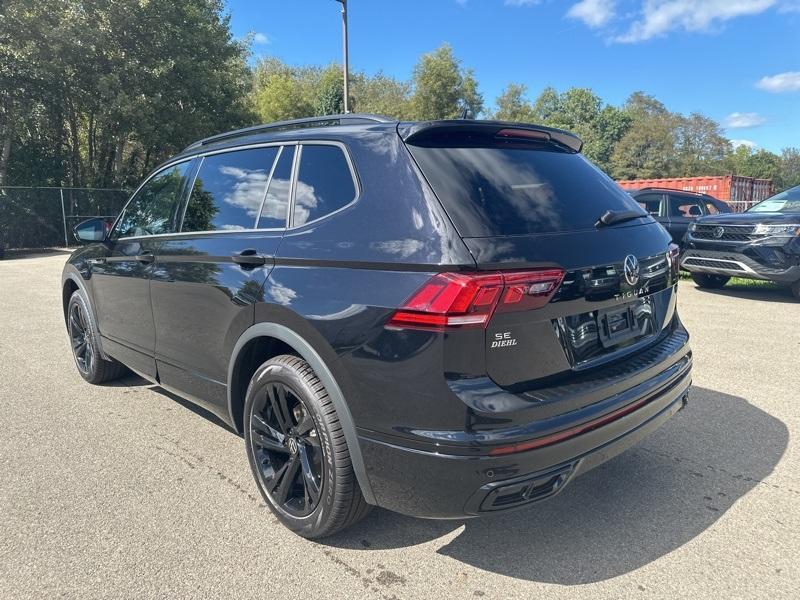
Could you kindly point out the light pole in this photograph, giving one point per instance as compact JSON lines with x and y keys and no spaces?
{"x":344,"y":49}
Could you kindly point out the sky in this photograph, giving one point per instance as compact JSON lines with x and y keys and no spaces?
{"x":737,"y":61}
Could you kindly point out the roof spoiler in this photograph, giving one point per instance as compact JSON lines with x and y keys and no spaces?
{"x":411,"y":132}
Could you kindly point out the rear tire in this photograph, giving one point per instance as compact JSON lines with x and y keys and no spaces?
{"x":83,"y":339}
{"x":709,"y":281}
{"x":297,"y":450}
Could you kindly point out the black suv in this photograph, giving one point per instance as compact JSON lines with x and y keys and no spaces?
{"x":761,"y":243}
{"x":444,"y":318}
{"x":676,"y":210}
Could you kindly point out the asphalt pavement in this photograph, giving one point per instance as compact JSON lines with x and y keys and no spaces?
{"x":126,"y":491}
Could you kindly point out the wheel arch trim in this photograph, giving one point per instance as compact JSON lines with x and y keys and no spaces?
{"x":72,"y":274}
{"x":312,"y":357}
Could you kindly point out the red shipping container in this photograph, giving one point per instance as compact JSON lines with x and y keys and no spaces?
{"x":724,"y":187}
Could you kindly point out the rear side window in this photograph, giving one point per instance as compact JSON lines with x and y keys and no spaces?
{"x":513,"y":189}
{"x":229,"y":190}
{"x":153,"y":210}
{"x":276,"y":205}
{"x":324,"y":183}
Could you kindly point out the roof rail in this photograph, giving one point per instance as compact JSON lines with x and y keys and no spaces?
{"x":308,"y":122}
{"x":666,"y":189}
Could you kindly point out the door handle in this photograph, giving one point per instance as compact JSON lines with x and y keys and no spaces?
{"x":249,"y":258}
{"x":97,"y":261}
{"x":145,"y":258}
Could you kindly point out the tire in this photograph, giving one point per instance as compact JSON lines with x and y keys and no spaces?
{"x":795,"y":287}
{"x":83,"y":342}
{"x":709,"y":281}
{"x":297,"y":451}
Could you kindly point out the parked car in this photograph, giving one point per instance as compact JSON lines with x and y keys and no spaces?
{"x":761,"y":243}
{"x":676,"y":210}
{"x":445,"y":319}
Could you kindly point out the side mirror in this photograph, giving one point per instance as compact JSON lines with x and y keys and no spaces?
{"x":91,"y":231}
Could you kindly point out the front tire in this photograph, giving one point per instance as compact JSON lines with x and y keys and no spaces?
{"x":85,"y":348}
{"x":795,"y":287}
{"x":709,"y":281}
{"x":297,"y":451}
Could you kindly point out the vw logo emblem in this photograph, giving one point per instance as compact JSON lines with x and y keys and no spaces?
{"x":719,"y":232}
{"x":293,"y":445}
{"x":631,"y":269}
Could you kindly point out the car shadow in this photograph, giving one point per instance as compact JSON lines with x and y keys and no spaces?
{"x":766,"y":293}
{"x":632,"y":510}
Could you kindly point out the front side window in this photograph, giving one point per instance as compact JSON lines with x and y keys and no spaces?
{"x":685,"y":207}
{"x":650,"y":202}
{"x":229,"y":189}
{"x":153,"y":210}
{"x":324,"y":183}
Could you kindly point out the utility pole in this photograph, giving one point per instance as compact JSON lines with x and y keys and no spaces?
{"x":344,"y":51}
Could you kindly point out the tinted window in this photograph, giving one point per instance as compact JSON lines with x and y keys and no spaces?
{"x":229,"y":189}
{"x":680,"y":206}
{"x":650,"y":202}
{"x":711,"y":208}
{"x":324,"y":183}
{"x":273,"y":215}
{"x":153,"y":209}
{"x":514,"y":189}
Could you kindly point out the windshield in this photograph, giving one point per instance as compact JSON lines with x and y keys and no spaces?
{"x":786,"y":202}
{"x":517,"y":189}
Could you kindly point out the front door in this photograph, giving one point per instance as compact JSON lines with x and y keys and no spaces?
{"x":121,"y":280}
{"x":683,"y":210}
{"x":209,"y":277}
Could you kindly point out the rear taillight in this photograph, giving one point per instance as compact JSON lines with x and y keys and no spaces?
{"x":450,"y":300}
{"x":674,"y":258}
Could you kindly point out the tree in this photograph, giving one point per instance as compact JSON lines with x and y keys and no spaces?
{"x":112,"y":88}
{"x":790,"y":168}
{"x":648,"y":149}
{"x":701,"y":146}
{"x":442,"y":89}
{"x":512,"y":105}
{"x":381,"y":95}
{"x":330,"y":92}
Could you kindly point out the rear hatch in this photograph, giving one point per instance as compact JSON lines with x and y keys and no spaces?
{"x":527,"y":202}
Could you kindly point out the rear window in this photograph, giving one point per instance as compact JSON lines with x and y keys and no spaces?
{"x":515,"y":189}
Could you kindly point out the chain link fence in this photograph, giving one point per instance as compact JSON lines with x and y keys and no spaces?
{"x":43,"y":217}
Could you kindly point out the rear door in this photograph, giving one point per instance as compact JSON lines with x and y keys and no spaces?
{"x":682,"y":210}
{"x":121,"y":280}
{"x":532,"y":208}
{"x":655,"y":205}
{"x":208,"y":277}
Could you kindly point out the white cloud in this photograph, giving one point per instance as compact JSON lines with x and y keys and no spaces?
{"x":782,"y":82}
{"x":743,"y":120}
{"x":261,"y":38}
{"x":521,"y":2}
{"x":595,"y":13}
{"x":749,"y":144}
{"x":658,"y":17}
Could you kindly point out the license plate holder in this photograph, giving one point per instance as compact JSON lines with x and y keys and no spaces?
{"x":616,"y":325}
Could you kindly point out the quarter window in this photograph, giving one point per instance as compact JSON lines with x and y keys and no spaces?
{"x":229,"y":189}
{"x":324,"y":183}
{"x":650,"y":202}
{"x":153,"y":210}
{"x":276,"y":204}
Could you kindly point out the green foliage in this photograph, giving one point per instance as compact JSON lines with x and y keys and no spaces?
{"x":381,"y":95}
{"x":443,"y":89}
{"x":110,"y":88}
{"x":513,"y":106}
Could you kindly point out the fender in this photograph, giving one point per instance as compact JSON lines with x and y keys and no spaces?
{"x":312,"y":357}
{"x":73,"y":274}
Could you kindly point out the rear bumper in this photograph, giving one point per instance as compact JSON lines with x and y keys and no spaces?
{"x":437,"y":484}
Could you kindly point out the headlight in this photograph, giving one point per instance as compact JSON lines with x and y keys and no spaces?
{"x":693,"y":226}
{"x":793,"y":229}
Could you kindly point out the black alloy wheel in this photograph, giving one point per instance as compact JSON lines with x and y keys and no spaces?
{"x":80,"y":338}
{"x":287,"y":449}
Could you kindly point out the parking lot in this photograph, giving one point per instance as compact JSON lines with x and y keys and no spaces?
{"x":124,"y":490}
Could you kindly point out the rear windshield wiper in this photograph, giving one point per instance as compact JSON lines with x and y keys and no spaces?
{"x":612,"y":217}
